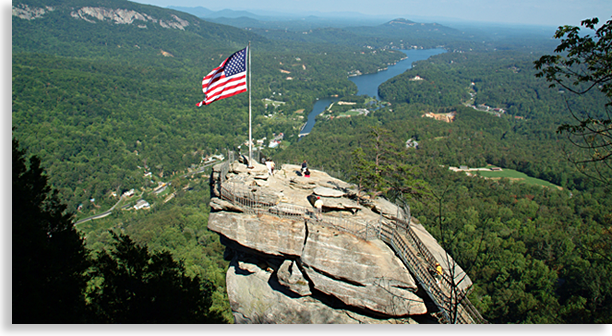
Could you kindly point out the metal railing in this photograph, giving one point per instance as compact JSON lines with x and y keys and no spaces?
{"x":409,"y":247}
{"x":447,"y":296}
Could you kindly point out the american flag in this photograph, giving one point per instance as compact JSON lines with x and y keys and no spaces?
{"x":226,"y":80}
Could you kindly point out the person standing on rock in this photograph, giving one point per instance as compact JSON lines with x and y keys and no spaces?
{"x":269,"y":166}
{"x":272,"y":165}
{"x":319,"y":206}
{"x":304,"y":167}
{"x":438,"y":273}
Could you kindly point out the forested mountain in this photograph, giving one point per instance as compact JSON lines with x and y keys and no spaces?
{"x":104,"y":93}
{"x":399,"y":33}
{"x":125,"y":77}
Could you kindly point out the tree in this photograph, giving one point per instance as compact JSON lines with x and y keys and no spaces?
{"x":387,"y":171}
{"x":52,"y":268}
{"x":583,"y":64}
{"x":142,"y":287}
{"x":48,"y":255}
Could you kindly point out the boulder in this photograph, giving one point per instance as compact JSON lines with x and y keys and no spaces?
{"x":299,"y":183}
{"x":218,"y":204}
{"x":290,"y":276}
{"x":341,"y":204}
{"x":251,"y":192}
{"x":387,"y":209}
{"x":288,"y":267}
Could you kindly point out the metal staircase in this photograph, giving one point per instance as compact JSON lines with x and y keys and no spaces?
{"x":451,"y":301}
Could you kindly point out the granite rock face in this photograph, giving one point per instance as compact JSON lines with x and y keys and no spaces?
{"x":290,"y":267}
{"x":96,"y":14}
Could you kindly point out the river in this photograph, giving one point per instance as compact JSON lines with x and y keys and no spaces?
{"x":368,"y":84}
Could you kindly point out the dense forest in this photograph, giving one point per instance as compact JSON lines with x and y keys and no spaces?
{"x":106,"y":105}
{"x":521,"y":244}
{"x":110,"y":107}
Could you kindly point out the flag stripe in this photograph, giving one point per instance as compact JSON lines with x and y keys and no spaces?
{"x":223,"y":81}
{"x":225,"y":93}
{"x":225,"y":87}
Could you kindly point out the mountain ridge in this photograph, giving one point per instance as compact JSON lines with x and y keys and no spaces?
{"x":97,"y":27}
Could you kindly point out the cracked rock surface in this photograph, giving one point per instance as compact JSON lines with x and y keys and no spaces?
{"x":297,"y":270}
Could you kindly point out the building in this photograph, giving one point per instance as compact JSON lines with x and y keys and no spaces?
{"x":160,"y":187}
{"x":142,"y":204}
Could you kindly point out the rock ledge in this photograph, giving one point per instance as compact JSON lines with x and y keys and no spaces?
{"x":288,"y":266}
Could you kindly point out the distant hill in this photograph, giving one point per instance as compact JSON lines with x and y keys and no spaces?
{"x":325,"y":27}
{"x":225,"y":13}
{"x":197,"y":11}
{"x":281,"y":21}
{"x":104,"y":28}
{"x":411,"y":32}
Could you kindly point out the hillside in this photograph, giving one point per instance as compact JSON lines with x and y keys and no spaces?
{"x":118,"y":28}
{"x":104,"y":93}
{"x":126,"y":76}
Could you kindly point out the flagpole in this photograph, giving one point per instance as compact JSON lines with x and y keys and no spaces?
{"x":250,"y":164}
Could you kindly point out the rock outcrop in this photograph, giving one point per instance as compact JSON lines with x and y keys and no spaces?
{"x":30,"y":13}
{"x":96,"y":14}
{"x":291,"y":265}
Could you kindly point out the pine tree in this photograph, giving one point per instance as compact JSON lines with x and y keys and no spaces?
{"x":49,"y":257}
{"x":143,"y":287}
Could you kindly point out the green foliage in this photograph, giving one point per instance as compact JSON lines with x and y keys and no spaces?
{"x":142,"y":287}
{"x":55,"y":280}
{"x":96,"y":101}
{"x":101,"y":106}
{"x":386,"y":171}
{"x":586,"y":61}
{"x":583,"y":64}
{"x":522,"y":245}
{"x":503,"y":79}
{"x":48,"y":256}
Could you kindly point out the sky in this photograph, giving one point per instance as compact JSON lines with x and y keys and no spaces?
{"x":529,"y":12}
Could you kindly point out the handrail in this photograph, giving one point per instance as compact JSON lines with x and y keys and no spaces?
{"x":464,"y":301}
{"x":410,"y":260}
{"x":407,"y":246}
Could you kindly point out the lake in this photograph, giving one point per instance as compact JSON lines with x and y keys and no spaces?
{"x":368,"y":84}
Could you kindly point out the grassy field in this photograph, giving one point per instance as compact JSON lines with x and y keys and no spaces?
{"x":514,"y":175}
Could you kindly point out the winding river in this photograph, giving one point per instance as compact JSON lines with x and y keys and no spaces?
{"x":368,"y":84}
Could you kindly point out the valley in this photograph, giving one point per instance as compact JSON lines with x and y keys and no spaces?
{"x":98,"y":99}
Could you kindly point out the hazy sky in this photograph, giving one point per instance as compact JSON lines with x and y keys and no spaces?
{"x":538,"y":12}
